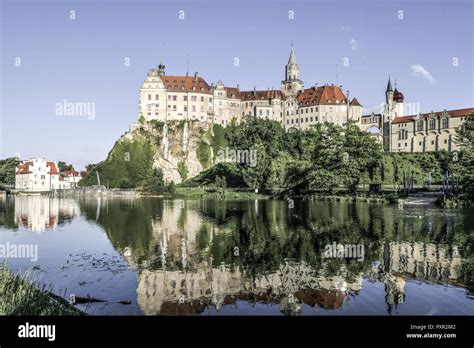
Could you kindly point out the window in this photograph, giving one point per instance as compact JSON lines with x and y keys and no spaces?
{"x":157,"y":97}
{"x":193,"y":98}
{"x":149,"y":96}
{"x":202,"y":99}
{"x":432,"y":142}
{"x":444,"y":123}
{"x":185,"y":108}
{"x":194,"y":108}
{"x":174,"y":107}
{"x":175,"y":98}
{"x":210,"y":99}
{"x":419,"y":125}
{"x":433,"y":123}
{"x":169,"y":96}
{"x":185,"y":98}
{"x":445,"y":141}
{"x":419,"y":143}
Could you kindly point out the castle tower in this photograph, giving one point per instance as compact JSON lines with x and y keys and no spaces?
{"x":398,"y":100}
{"x":292,"y":83}
{"x":388,"y":116}
{"x":389,"y":94}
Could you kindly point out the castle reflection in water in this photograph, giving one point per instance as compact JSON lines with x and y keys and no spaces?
{"x":192,"y":255}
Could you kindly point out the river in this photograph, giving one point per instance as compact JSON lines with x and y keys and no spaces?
{"x":244,"y":257}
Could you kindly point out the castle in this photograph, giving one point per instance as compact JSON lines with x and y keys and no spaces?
{"x":187,"y":98}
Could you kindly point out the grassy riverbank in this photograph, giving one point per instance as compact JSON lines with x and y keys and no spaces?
{"x":19,"y":296}
{"x":210,"y":192}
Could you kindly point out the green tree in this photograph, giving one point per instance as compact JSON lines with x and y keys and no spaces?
{"x":156,"y":183}
{"x":465,"y":165}
{"x":7,"y":170}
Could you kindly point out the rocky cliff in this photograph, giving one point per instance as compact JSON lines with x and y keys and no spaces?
{"x":182,"y":149}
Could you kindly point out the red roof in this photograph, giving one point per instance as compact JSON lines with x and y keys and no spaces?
{"x":398,"y":96}
{"x":451,"y":113}
{"x":355,"y":102}
{"x":232,"y":92}
{"x":185,"y":84}
{"x":71,"y":172}
{"x":24,"y":168}
{"x":53,"y":169}
{"x":323,"y":95}
{"x":260,"y":95}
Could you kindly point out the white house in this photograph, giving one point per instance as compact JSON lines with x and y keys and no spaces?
{"x":37,"y":175}
{"x":70,"y":177}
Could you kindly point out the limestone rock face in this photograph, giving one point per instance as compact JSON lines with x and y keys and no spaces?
{"x":176,"y":144}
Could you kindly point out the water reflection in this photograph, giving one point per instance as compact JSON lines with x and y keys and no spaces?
{"x":38,"y":213}
{"x":210,"y":256}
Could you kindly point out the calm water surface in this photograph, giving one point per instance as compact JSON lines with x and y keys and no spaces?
{"x":249,"y":257}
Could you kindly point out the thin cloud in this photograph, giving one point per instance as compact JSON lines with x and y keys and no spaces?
{"x":354,"y":44}
{"x":419,"y":70}
{"x":346,"y":28}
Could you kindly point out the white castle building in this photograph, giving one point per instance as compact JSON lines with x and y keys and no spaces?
{"x":167,"y":98}
{"x":185,"y":98}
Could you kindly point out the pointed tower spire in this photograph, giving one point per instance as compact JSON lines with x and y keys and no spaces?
{"x":292,"y":59}
{"x":389,"y":85}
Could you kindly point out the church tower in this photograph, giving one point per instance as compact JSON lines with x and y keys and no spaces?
{"x":292,"y":83}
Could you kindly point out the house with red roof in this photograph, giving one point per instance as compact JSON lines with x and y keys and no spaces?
{"x":37,"y":175}
{"x":71,"y":177}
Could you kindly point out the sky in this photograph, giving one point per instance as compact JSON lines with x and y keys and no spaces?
{"x":98,"y":52}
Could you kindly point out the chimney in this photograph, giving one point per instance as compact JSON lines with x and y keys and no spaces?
{"x":196,"y":76}
{"x":238,"y":87}
{"x":254,"y":90}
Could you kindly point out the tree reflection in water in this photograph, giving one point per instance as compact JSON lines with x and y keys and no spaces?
{"x":194,"y":254}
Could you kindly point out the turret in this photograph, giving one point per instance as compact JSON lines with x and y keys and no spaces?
{"x":292,"y":83}
{"x":161,"y":69}
{"x":292,"y":69}
{"x":389,"y":92}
